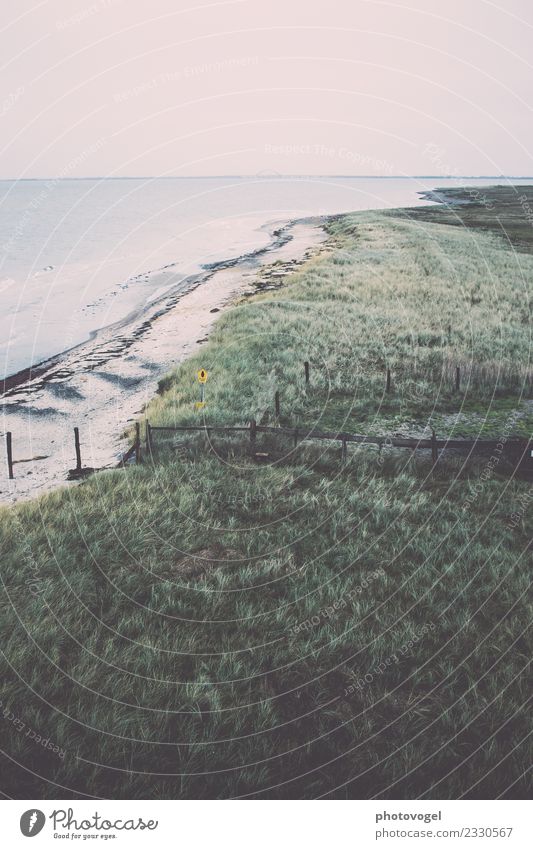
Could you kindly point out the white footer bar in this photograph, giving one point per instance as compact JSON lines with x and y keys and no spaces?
{"x":268,"y":824}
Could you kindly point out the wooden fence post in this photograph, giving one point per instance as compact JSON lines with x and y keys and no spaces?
{"x":77,"y":447}
{"x":137,"y":442}
{"x":388,"y":380}
{"x":9,"y":455}
{"x":457,"y":378}
{"x":434,"y":450}
{"x":306,"y":367}
{"x":253,"y":431}
{"x":148,"y":438}
{"x":276,"y":401}
{"x":344,"y":450}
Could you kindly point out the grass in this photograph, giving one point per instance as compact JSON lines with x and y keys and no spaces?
{"x":206,"y":627}
{"x":381,"y":298}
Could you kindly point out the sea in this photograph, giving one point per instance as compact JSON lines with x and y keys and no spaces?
{"x":77,"y":255}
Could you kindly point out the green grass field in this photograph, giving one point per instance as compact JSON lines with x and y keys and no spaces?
{"x":204,"y":626}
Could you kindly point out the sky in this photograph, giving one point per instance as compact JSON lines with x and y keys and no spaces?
{"x":183,"y":88}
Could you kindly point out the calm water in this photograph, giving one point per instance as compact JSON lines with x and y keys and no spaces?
{"x":77,"y":255}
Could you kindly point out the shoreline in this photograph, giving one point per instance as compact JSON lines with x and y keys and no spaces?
{"x":102,"y":385}
{"x":279,"y":232}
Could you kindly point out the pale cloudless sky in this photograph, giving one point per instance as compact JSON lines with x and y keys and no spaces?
{"x":179,"y":87}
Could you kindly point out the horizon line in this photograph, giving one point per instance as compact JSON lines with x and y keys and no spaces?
{"x":280,"y":176}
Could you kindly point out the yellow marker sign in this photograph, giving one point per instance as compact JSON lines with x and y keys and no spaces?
{"x":202,"y":376}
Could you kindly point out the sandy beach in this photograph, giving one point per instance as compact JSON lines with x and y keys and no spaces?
{"x":102,"y":385}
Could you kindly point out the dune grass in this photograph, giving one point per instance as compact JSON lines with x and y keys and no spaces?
{"x":202,"y":626}
{"x":414,"y":298}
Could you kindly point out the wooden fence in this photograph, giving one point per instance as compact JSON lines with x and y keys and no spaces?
{"x":515,"y":449}
{"x":519,"y":449}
